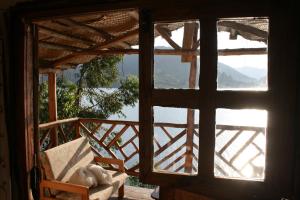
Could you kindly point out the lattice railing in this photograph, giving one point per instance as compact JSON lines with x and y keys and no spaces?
{"x":240,"y":152}
{"x":170,"y":148}
{"x":120,"y":139}
{"x":57,"y":132}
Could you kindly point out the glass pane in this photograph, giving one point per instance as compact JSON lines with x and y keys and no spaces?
{"x":242,"y":57}
{"x":176,"y":50}
{"x":240,"y":144}
{"x":176,"y":140}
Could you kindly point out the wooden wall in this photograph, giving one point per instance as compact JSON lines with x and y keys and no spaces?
{"x":5,"y":183}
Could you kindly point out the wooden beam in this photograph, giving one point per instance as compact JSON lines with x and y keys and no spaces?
{"x":66,"y":36}
{"x":57,"y":46}
{"x":245,"y":28}
{"x":44,"y":66}
{"x":189,"y":38}
{"x":52,"y":105}
{"x":107,"y":36}
{"x":106,"y":44}
{"x":164,"y":34}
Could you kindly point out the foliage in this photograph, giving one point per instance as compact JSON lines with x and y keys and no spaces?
{"x":86,"y":97}
{"x":134,"y":181}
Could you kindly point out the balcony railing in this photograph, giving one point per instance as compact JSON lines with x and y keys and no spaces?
{"x":120,"y":139}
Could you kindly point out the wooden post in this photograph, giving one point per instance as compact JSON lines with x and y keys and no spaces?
{"x":52,"y":106}
{"x":190,"y":120}
{"x":190,"y":37}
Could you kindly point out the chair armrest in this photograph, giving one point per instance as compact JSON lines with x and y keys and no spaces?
{"x":67,"y":187}
{"x":114,"y":161}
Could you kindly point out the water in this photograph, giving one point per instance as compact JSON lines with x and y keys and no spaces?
{"x":243,"y":117}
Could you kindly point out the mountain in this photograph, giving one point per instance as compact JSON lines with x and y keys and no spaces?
{"x":170,"y":72}
{"x":253,"y":72}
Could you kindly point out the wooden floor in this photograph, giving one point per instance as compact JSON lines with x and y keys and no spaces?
{"x":135,"y":193}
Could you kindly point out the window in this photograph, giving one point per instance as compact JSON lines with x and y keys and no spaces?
{"x":231,"y":96}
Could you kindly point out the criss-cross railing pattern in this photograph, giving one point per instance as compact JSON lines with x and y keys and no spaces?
{"x":57,"y":132}
{"x":170,"y":149}
{"x":238,"y":148}
{"x":240,"y":151}
{"x":116,"y":139}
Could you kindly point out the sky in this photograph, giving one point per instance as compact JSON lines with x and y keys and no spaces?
{"x":256,"y":61}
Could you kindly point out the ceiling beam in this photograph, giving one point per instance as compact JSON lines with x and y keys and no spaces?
{"x":107,"y":36}
{"x":221,"y":52}
{"x":245,"y":28}
{"x":65,"y":36}
{"x":57,"y":46}
{"x":122,"y":38}
{"x":164,"y":33}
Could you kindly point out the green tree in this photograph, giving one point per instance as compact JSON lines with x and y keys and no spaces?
{"x":86,"y":97}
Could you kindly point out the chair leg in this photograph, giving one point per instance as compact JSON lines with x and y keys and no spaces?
{"x":121,"y":192}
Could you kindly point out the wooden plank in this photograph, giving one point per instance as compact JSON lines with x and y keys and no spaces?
{"x":190,"y":32}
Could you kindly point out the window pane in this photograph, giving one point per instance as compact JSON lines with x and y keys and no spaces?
{"x":242,"y":57}
{"x":176,"y":47}
{"x":176,"y":140}
{"x":240,"y":144}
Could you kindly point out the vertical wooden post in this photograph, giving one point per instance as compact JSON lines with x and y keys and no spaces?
{"x":52,"y":106}
{"x":189,"y":38}
{"x":190,"y":120}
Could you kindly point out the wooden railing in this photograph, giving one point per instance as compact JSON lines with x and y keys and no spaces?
{"x":120,"y":139}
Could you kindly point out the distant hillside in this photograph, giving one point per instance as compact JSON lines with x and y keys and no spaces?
{"x":252,"y":72}
{"x":170,"y":72}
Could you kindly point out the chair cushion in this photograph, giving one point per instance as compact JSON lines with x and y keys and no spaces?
{"x":61,"y":162}
{"x":102,"y":192}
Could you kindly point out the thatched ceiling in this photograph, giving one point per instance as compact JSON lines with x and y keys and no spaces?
{"x":67,"y":42}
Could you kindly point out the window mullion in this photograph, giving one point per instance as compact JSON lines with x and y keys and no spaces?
{"x":208,"y":85}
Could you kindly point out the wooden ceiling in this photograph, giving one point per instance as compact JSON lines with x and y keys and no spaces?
{"x":66,"y":42}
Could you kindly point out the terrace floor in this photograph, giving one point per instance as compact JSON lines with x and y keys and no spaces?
{"x":135,"y":193}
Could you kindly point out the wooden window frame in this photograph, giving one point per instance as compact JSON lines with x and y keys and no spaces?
{"x":282,"y":115}
{"x":207,"y":99}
